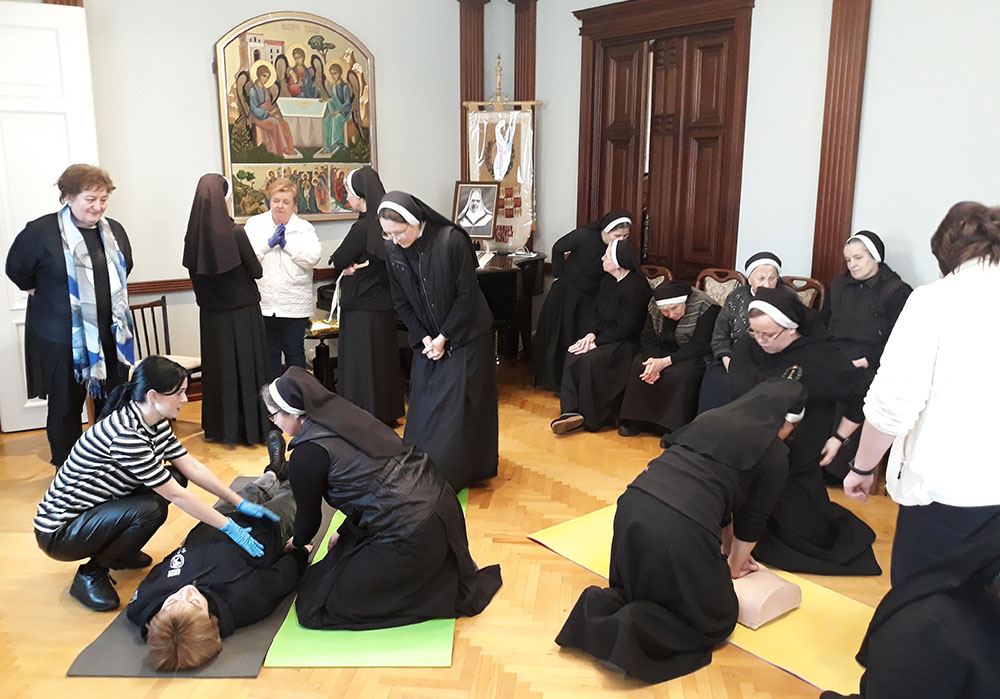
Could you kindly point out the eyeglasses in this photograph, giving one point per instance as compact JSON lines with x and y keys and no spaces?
{"x":764,"y":337}
{"x":394,"y":237}
{"x":272,"y":416}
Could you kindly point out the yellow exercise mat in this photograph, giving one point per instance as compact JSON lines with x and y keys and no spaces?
{"x":816,"y":642}
{"x":585,"y":540}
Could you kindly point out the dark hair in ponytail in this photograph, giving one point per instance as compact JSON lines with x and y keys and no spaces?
{"x":154,"y":372}
{"x":969,"y":231}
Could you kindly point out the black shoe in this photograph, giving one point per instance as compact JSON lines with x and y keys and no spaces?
{"x":139,"y":560}
{"x":567,"y":422}
{"x":276,"y":455}
{"x":95,"y":589}
{"x":629,"y":428}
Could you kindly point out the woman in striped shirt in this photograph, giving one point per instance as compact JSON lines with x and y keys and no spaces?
{"x":111,"y":494}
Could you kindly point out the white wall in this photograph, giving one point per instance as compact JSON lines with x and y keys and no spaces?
{"x":158,"y":121}
{"x":929,"y":129}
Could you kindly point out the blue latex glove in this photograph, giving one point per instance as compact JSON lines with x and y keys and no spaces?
{"x":278,"y":237}
{"x":255,"y":510}
{"x":242,"y":537}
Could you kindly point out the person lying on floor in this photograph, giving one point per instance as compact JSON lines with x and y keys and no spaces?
{"x":206,"y":588}
{"x":111,"y":494}
{"x":401,"y":555}
{"x":683,"y":530}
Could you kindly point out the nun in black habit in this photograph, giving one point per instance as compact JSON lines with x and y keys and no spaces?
{"x":662,"y":391}
{"x":684,"y":529}
{"x":806,"y":533}
{"x":401,"y":555}
{"x":223,"y":268}
{"x":598,"y":364}
{"x":567,"y":313}
{"x":935,"y":634}
{"x":453,"y":389}
{"x":368,"y":353}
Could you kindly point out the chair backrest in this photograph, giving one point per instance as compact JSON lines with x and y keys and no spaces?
{"x":811,"y":291}
{"x":149,"y":321}
{"x":656,"y":275}
{"x":718,"y":283}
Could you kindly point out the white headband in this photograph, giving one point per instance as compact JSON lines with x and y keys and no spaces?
{"x":272,"y":389}
{"x":401,"y":210}
{"x":762,"y":261}
{"x":614,"y":252}
{"x":616,"y":222}
{"x":772,"y":312}
{"x":868,"y":243}
{"x":795,"y":418}
{"x":350,"y":188}
{"x":671,"y":301}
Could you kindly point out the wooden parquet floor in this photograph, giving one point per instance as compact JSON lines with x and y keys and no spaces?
{"x":507,"y":651}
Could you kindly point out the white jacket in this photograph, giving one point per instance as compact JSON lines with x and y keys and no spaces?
{"x":936,"y":390}
{"x":286,"y":288}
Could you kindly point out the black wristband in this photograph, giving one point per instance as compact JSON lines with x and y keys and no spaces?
{"x":860,"y":472}
{"x":838,"y":437}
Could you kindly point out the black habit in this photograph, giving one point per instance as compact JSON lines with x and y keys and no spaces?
{"x":594,"y":382}
{"x":368,"y":372}
{"x":453,"y":400}
{"x":223,"y":268}
{"x":567,"y":313}
{"x":670,"y":598}
{"x":935,"y":634}
{"x":807,"y":532}
{"x":36,"y":261}
{"x":402,"y":555}
{"x":672,"y":400}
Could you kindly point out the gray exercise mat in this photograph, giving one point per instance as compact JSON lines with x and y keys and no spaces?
{"x":120,"y":651}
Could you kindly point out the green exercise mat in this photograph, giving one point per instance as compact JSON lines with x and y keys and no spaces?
{"x":427,"y":644}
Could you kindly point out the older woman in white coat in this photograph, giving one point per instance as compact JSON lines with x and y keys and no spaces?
{"x":288,"y":250}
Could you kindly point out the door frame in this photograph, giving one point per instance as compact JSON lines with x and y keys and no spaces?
{"x":647,"y":19}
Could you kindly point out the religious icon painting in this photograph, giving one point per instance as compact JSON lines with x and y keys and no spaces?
{"x":296,"y":94}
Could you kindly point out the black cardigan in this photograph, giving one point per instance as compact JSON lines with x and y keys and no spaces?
{"x":235,"y":288}
{"x":368,"y":288}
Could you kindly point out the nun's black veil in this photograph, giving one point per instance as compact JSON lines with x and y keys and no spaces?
{"x":368,"y":185}
{"x":424,"y":213}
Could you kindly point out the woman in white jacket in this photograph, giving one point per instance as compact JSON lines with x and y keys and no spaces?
{"x":288,"y":249}
{"x":934,"y":403}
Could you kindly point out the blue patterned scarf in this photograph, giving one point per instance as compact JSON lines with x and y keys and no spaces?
{"x":89,"y":363}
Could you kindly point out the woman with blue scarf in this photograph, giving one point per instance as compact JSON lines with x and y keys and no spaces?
{"x":78,"y":330}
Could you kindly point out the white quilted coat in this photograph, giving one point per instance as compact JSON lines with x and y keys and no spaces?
{"x":286,"y":288}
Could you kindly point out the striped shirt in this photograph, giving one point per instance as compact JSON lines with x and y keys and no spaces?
{"x":111,"y":460}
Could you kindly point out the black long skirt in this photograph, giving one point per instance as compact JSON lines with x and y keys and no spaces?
{"x":669,"y":403}
{"x":564,"y":319}
{"x":453,"y":412}
{"x":368,"y":363}
{"x":670,"y":600}
{"x":233,"y":370}
{"x":367,"y":583}
{"x":809,"y":534}
{"x":715,"y":389}
{"x":594,"y":383}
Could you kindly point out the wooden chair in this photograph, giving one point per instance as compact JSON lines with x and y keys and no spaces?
{"x":719,"y":283}
{"x":657,"y":274}
{"x":811,"y":291}
{"x":152,"y":336}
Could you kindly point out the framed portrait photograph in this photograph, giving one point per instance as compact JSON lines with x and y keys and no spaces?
{"x":296,"y":100}
{"x":475,"y":208}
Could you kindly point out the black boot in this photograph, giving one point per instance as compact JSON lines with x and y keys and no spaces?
{"x":94,"y":588}
{"x":276,"y":454}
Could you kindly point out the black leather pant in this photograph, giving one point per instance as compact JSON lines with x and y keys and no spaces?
{"x":113,"y":531}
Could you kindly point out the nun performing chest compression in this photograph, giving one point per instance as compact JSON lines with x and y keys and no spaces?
{"x":670,"y":598}
{"x":806,"y":533}
{"x":453,"y":390}
{"x":368,"y":352}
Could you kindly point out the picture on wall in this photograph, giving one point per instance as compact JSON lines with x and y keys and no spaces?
{"x":501,"y":151}
{"x":296,"y":100}
{"x":475,"y":208}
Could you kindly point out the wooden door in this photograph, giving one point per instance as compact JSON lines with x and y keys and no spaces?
{"x":692,"y":209}
{"x":46,"y":124}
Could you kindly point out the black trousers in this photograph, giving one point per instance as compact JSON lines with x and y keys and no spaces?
{"x":112,"y":531}
{"x":285,"y":336}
